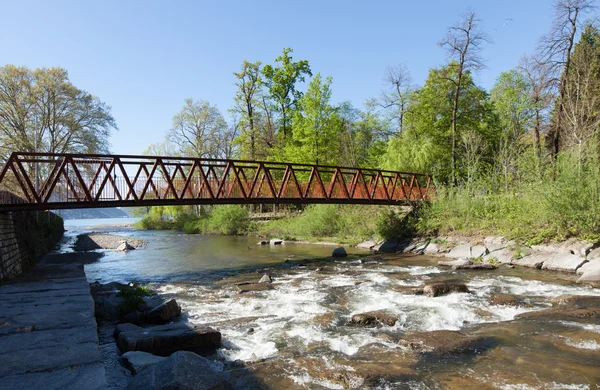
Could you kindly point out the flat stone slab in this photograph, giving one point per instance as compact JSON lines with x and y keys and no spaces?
{"x":48,"y":336}
{"x":593,"y":265}
{"x":166,"y":339}
{"x":454,"y":263}
{"x":565,"y":262}
{"x":460,"y":251}
{"x":88,"y":377}
{"x":532,"y":261}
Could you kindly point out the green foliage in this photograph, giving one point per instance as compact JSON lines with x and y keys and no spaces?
{"x":227,"y":219}
{"x":133,"y":295}
{"x":392,"y":225}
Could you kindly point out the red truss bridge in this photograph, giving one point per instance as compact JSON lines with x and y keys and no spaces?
{"x":47,"y":181}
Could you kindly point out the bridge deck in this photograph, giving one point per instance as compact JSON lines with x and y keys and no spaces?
{"x":40,"y":181}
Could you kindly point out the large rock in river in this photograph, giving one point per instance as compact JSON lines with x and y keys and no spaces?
{"x":590,"y":273}
{"x":166,"y":339}
{"x":565,"y":262}
{"x":374,"y":318}
{"x":181,"y":371}
{"x":439,"y":289}
{"x":339,"y":252}
{"x":137,"y":361}
{"x":443,"y":342}
{"x":164,"y":313}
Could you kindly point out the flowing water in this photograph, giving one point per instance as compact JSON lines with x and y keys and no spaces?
{"x":297,"y":336}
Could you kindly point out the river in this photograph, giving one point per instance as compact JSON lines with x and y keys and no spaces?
{"x":296,"y":336}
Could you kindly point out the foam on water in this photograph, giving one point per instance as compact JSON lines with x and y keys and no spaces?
{"x":583,"y":344}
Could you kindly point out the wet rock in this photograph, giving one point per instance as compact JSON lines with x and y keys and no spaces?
{"x":385,"y":336}
{"x":263,"y":242}
{"x":439,"y":289}
{"x":454,"y":263}
{"x":366,"y":244}
{"x":181,"y":370}
{"x":276,"y":241}
{"x":565,"y":262}
{"x":339,"y":252}
{"x":137,"y":361}
{"x":125,"y":246}
{"x":408,"y":290}
{"x":502,"y":256}
{"x":589,"y":313}
{"x":479,"y":251}
{"x":163,"y":313}
{"x":576,"y":300}
{"x":390,"y":246}
{"x":443,"y":342}
{"x":476,"y":265}
{"x":251,"y":287}
{"x":166,"y":339}
{"x":325,"y":319}
{"x":532,"y":261}
{"x":507,"y":300}
{"x":266,"y":278}
{"x":374,"y":318}
{"x":460,"y":251}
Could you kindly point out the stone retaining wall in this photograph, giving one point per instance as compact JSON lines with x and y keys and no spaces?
{"x":25,"y":236}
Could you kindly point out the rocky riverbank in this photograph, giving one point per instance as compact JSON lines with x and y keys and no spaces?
{"x":93,"y":241}
{"x":573,"y":256}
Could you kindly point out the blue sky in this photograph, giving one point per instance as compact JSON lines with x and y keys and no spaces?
{"x":144,"y":58}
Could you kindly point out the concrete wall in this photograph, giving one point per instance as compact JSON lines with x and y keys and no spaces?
{"x":24,"y":238}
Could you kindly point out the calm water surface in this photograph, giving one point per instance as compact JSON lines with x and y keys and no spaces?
{"x":296,"y":336}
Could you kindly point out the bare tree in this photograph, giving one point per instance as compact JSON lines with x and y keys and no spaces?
{"x":555,"y":52}
{"x":463,"y":42}
{"x":395,"y":97}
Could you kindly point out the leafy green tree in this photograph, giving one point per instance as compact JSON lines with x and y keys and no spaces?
{"x":281,"y":82}
{"x":247,"y":105}
{"x":42,"y":111}
{"x":513,"y":106}
{"x":317,"y":126}
{"x":432,"y":116}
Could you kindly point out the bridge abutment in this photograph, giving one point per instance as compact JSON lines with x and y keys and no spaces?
{"x":26,"y":236}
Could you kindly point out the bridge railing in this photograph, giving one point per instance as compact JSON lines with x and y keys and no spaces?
{"x":56,"y":181}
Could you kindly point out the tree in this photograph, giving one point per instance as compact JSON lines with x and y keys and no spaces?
{"x":463,"y":43}
{"x":431,"y":117}
{"x":42,"y":111}
{"x":515,"y":111}
{"x":555,"y":52}
{"x":200,"y":130}
{"x":247,"y":105}
{"x":395,"y":98}
{"x":281,"y":81}
{"x":317,"y":126}
{"x":581,"y":106}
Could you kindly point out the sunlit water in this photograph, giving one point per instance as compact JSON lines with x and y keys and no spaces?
{"x":296,"y":335}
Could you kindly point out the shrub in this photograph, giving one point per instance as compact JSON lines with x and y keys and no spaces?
{"x":132,"y":295}
{"x":227,"y":219}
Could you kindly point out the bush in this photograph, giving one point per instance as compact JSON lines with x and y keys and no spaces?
{"x":227,"y":219}
{"x":133,"y":295}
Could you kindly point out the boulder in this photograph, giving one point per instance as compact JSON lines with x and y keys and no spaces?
{"x":532,"y":261}
{"x":137,"y":361}
{"x":374,"y":318}
{"x":166,"y":339}
{"x":591,"y":275}
{"x":589,"y":266}
{"x":439,"y":289}
{"x":495,"y":243}
{"x":479,"y":251}
{"x":578,"y":301}
{"x":163,"y":313}
{"x":251,"y":287}
{"x":443,"y":342}
{"x":339,"y":252}
{"x":503,"y":256}
{"x":594,"y":254}
{"x":182,"y":370}
{"x":462,"y":251}
{"x":125,"y":247}
{"x":563,"y":261}
{"x":266,"y":278}
{"x":453,"y":263}
{"x":390,"y":246}
{"x":276,"y":241}
{"x":431,"y":249}
{"x":507,"y":300}
{"x":263,"y":242}
{"x":366,"y":244}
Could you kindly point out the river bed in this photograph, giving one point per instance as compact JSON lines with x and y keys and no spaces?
{"x":297,"y":336}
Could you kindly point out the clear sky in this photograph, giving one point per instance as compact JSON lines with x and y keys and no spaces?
{"x":143,"y":58}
